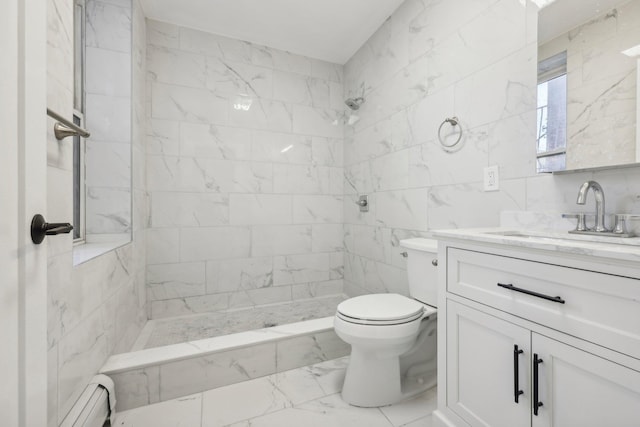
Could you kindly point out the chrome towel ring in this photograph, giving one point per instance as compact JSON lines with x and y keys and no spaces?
{"x":453,"y":121}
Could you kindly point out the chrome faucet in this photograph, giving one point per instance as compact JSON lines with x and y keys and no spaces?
{"x":598,"y":193}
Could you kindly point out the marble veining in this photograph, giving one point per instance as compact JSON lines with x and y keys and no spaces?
{"x":182,"y":329}
{"x":304,"y":396}
{"x":244,"y":173}
{"x":627,"y":249}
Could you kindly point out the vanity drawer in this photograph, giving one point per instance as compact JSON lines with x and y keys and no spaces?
{"x":594,"y":306}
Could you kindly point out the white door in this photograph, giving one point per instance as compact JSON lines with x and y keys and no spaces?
{"x":577,"y":388}
{"x":23,"y":308}
{"x":483,"y":366}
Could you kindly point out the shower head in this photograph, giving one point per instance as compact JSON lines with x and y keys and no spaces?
{"x":354,"y":103}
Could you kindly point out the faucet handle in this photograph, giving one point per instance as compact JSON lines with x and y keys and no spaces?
{"x":620,"y":226}
{"x":581,"y":216}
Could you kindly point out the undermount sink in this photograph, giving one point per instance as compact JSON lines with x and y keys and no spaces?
{"x":546,"y":236}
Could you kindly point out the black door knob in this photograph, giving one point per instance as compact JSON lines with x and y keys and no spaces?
{"x":40,"y":228}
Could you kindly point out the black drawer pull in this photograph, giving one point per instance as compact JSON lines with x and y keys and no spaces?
{"x":516,"y":374}
{"x":535,"y":294}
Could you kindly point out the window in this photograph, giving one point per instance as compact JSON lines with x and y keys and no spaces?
{"x":552,"y":114}
{"x":78,"y":118}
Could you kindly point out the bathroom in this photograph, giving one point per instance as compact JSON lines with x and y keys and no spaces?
{"x":222,"y":177}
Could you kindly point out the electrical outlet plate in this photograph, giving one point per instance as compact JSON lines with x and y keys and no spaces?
{"x":491,"y":178}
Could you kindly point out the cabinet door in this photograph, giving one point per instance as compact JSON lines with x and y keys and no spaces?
{"x":577,"y":388}
{"x":481,"y":371}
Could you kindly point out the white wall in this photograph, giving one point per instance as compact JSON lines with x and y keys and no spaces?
{"x":246,"y":206}
{"x":475,"y":59}
{"x":97,"y":308}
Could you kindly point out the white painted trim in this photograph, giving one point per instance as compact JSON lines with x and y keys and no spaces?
{"x":23,"y":292}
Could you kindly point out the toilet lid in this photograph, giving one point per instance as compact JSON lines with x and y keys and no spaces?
{"x":381,"y":308}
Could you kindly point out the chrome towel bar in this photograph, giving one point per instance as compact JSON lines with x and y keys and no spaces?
{"x":65,"y":128}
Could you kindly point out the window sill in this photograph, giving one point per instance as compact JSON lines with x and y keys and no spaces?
{"x":97,"y":245}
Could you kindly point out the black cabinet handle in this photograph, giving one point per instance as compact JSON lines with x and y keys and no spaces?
{"x":536,"y":402}
{"x":535,"y":294}
{"x":516,"y":373}
{"x":40,"y":228}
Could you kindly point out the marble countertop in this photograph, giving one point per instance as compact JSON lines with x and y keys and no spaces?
{"x":606,"y":247}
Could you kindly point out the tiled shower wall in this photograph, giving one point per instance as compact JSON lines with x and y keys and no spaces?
{"x":96,"y":308}
{"x":244,"y":157}
{"x":475,"y":59}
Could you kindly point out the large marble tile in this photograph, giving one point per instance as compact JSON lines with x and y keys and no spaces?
{"x":301,"y":268}
{"x":138,"y":387}
{"x":468,"y":205}
{"x":262,"y":114}
{"x":304,"y":351}
{"x":269,"y":394}
{"x":239,"y":274}
{"x":413,"y":409}
{"x":330,"y":374}
{"x":171,"y":209}
{"x":260,"y":209}
{"x":188,"y":104}
{"x":196,"y":243}
{"x":317,"y":209}
{"x":327,"y":411}
{"x":218,"y":142}
{"x":280,"y":147}
{"x":162,"y":34}
{"x":231,"y":78}
{"x":213,"y":45}
{"x":176,"y":67}
{"x":207,"y":372}
{"x":182,"y":412}
{"x":280,"y":240}
{"x":327,"y":237}
{"x":169,"y":281}
{"x":402,"y":209}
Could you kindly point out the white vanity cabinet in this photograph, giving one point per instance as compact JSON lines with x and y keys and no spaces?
{"x":520,"y":327}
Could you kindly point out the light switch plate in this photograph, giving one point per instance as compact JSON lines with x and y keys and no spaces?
{"x":491,"y":178}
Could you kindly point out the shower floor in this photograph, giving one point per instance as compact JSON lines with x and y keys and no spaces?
{"x":174,"y":330}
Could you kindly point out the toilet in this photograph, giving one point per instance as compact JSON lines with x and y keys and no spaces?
{"x":392,"y":337}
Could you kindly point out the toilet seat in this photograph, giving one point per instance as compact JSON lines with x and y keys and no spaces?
{"x":380,"y":309}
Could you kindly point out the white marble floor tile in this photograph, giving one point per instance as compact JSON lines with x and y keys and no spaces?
{"x":422,"y":422}
{"x":413,"y":409}
{"x":249,"y":399}
{"x":182,"y":412}
{"x":307,"y":396}
{"x":328,"y":411}
{"x":330,"y":374}
{"x":236,"y":402}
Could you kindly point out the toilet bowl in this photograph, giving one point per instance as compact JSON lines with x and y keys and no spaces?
{"x":392,"y":337}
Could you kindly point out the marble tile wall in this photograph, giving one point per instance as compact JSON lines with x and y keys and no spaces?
{"x":167,"y":380}
{"x":475,"y":59}
{"x":244,"y":158}
{"x":96,"y":308}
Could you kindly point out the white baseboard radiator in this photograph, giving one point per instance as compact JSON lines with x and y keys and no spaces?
{"x":96,"y":405}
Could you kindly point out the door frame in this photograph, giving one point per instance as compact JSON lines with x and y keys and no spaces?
{"x":23,"y":168}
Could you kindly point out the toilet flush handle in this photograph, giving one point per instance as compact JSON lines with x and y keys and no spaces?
{"x":404,"y":254}
{"x":434,"y":262}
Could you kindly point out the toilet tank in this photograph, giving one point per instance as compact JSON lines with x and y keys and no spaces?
{"x":421,"y":271}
